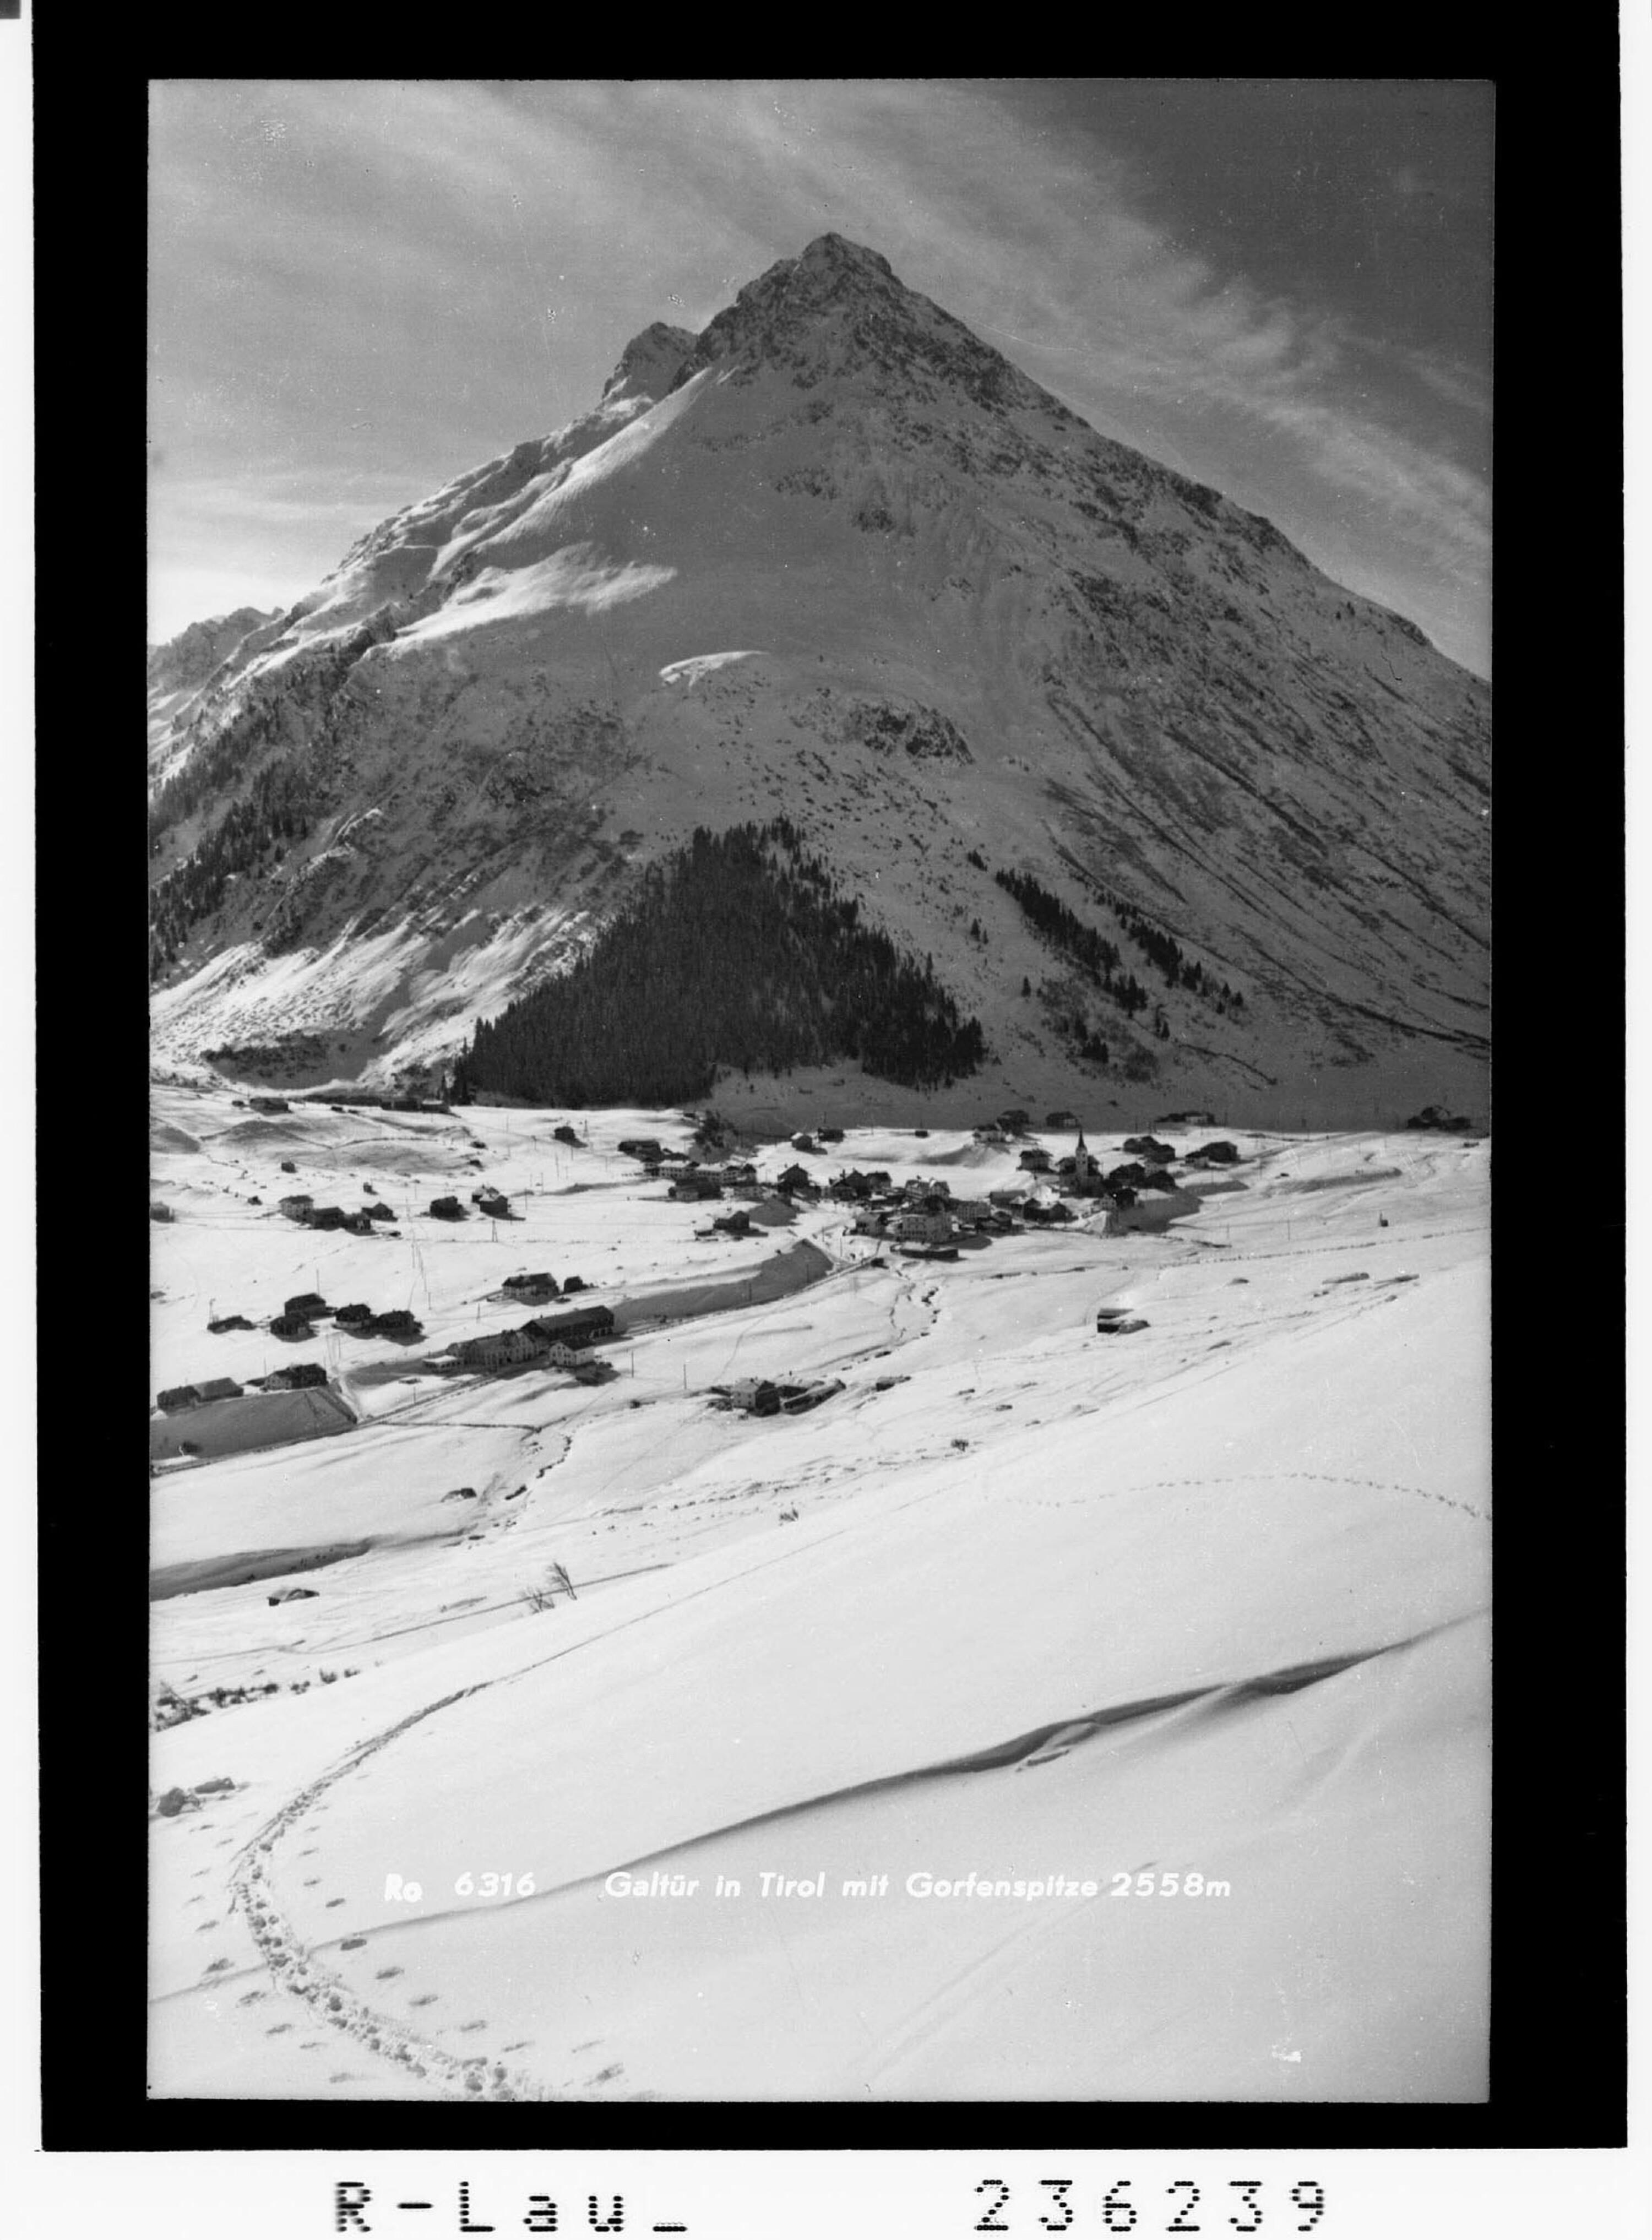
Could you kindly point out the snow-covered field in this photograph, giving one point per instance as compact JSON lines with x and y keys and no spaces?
{"x":1199,"y":1609}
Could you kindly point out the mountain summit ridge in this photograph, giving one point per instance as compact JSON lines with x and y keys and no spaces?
{"x":835,"y":557}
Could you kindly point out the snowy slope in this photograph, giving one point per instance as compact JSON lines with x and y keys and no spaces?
{"x":1207,"y":1600}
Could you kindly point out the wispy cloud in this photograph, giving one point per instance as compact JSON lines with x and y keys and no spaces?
{"x":424,"y":273}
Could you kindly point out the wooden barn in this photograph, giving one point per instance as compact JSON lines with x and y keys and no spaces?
{"x":584,"y":1323}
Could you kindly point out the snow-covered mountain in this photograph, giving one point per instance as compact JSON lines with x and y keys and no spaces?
{"x":179,"y":673}
{"x":836,"y":558}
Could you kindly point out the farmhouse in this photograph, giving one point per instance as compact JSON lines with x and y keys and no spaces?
{"x":1149,"y":1147}
{"x":220,"y":1388}
{"x":291,"y":1326}
{"x":758,"y":1394}
{"x":357,"y":1311}
{"x":1036,"y":1161}
{"x":307,"y":1303}
{"x":447,"y":1209}
{"x":178,"y":1397}
{"x":693,"y":1187}
{"x":913,"y":1225}
{"x":797,"y":1183}
{"x":294,"y":1379}
{"x":543,"y":1281}
{"x":500,"y":1350}
{"x":297,"y":1206}
{"x":561,"y":1354}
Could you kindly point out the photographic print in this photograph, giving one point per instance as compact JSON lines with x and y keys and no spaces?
{"x":819,"y":829}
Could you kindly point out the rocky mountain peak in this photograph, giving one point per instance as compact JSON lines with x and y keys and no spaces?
{"x":839,"y":311}
{"x":650,"y":363}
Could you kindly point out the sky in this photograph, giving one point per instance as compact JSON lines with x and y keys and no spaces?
{"x":1282,"y":287}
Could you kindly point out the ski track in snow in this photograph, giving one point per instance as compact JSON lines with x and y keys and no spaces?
{"x":296,"y":1970}
{"x":921,"y":1304}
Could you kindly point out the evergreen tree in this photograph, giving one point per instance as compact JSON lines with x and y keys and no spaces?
{"x":737,"y":951}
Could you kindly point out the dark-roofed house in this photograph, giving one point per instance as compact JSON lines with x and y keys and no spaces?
{"x":587,"y":1322}
{"x":296,"y":1377}
{"x":220,"y":1388}
{"x":357,"y":1311}
{"x":269,"y":1105}
{"x":541,"y":1282}
{"x":307,"y":1303}
{"x":178,"y":1396}
{"x":1149,"y":1147}
{"x":447,"y":1209}
{"x":1036,"y":1161}
{"x":297,"y":1206}
{"x":694,"y":1187}
{"x":796,"y":1182}
{"x":291,"y":1326}
{"x":399,"y":1322}
{"x":378,"y":1213}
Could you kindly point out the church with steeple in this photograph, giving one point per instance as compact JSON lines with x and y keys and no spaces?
{"x":1081,"y":1173}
